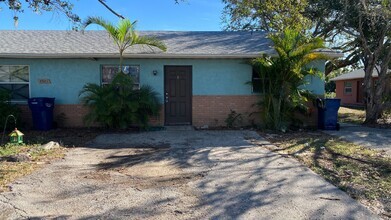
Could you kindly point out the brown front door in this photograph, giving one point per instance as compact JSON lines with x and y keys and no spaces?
{"x":177,"y":95}
{"x":360,"y":91}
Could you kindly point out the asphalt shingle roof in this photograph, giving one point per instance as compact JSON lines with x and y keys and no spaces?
{"x":355,"y":74}
{"x":98,"y":44}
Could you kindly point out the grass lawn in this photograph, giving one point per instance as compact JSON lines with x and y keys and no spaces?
{"x":351,"y":115}
{"x":10,"y":171}
{"x":363,"y":173}
{"x":356,"y":115}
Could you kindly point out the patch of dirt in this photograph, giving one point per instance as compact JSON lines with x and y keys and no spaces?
{"x":151,"y":175}
{"x":69,"y":137}
{"x":142,"y":167}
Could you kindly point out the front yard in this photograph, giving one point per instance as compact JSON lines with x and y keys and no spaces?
{"x":356,"y":115}
{"x":364,"y":174}
{"x":351,"y":115}
{"x":177,"y":175}
{"x":20,"y":160}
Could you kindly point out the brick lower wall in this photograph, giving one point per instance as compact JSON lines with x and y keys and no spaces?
{"x":68,"y":116}
{"x":63,"y":115}
{"x":158,"y":120}
{"x":213,"y":110}
{"x":208,"y":111}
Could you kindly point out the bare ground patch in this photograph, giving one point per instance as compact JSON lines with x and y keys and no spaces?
{"x":139,"y":167}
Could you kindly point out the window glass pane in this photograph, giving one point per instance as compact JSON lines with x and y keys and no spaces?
{"x":259,"y":84}
{"x":10,"y":75}
{"x":134,"y":72}
{"x":109,"y":72}
{"x":19,"y":92}
{"x":4,"y":74}
{"x":256,"y":82}
{"x":348,"y":84}
{"x":19,"y":73}
{"x":348,"y":87}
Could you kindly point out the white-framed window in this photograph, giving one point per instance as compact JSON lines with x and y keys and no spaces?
{"x":109,"y":72}
{"x":347,"y":88}
{"x":259,"y":85}
{"x":15,"y":79}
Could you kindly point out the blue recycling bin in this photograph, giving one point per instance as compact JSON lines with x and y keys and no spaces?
{"x":42,"y":112}
{"x":328,"y":113}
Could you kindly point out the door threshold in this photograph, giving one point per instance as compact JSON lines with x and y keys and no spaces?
{"x":179,"y":128}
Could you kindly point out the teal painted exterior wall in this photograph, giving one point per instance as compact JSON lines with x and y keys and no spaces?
{"x":67,"y":77}
{"x":210,"y":76}
{"x":315,"y":84}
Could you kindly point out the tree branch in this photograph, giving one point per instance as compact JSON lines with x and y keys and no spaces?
{"x":110,"y":9}
{"x":362,"y":35}
{"x":337,"y":64}
{"x":386,"y":61}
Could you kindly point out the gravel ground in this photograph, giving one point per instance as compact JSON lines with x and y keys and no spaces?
{"x":177,"y":175}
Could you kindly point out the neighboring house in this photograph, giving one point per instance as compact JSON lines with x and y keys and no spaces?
{"x":350,"y":87}
{"x":201,"y":76}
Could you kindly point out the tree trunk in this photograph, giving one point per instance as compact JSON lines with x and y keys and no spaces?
{"x":121,"y":60}
{"x":371,"y":112}
{"x":374,"y":104}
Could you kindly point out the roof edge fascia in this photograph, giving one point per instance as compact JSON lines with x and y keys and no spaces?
{"x":133,"y":56}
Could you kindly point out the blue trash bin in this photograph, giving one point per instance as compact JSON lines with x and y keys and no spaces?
{"x":42,"y":112}
{"x":328,"y":113}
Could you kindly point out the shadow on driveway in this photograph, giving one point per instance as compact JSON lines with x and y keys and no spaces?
{"x":181,"y":175}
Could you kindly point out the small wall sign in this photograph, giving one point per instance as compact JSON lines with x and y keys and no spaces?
{"x":44,"y":81}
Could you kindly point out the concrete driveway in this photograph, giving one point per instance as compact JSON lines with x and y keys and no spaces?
{"x":375,"y":138}
{"x":177,"y":175}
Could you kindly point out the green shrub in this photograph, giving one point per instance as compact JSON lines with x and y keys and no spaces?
{"x":119,"y":105}
{"x":233,"y":119}
{"x":6,"y":108}
{"x":283,"y":77}
{"x":330,"y":95}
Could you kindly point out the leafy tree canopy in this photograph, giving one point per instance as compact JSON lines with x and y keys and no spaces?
{"x":359,"y":28}
{"x":334,"y":20}
{"x":40,"y":6}
{"x":268,"y":15}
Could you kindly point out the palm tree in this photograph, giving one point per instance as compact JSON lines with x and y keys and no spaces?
{"x":124,"y":35}
{"x":118,"y":105}
{"x":283,"y":76}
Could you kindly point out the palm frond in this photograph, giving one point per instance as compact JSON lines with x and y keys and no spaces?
{"x":109,"y":27}
{"x":149,"y":41}
{"x":284,"y":75}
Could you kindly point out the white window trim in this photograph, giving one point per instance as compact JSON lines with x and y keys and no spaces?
{"x":348,"y":87}
{"x":29,"y":83}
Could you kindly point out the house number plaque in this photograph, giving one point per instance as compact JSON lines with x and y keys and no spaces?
{"x":44,"y":81}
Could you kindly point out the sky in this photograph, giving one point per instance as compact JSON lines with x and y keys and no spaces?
{"x":194,"y":15}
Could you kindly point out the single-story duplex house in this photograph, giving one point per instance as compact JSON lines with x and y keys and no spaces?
{"x":200,"y":78}
{"x":350,"y":86}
